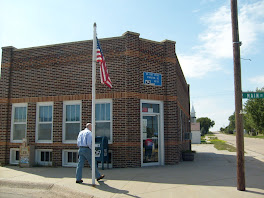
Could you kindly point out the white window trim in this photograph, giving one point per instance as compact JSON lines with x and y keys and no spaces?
{"x":38,"y":157}
{"x":12,"y":121}
{"x":37,"y":122}
{"x":11,"y":158}
{"x":75,"y":102}
{"x":101,"y":101}
{"x":65,"y":156}
{"x":161,"y":146}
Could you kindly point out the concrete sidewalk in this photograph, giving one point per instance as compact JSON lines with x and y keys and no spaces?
{"x":211,"y":174}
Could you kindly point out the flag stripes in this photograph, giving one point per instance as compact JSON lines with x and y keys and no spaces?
{"x":105,"y":79}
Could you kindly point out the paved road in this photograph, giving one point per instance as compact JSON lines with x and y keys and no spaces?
{"x":254,"y":146}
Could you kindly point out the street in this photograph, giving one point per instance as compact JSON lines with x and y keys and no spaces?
{"x":252,"y":146}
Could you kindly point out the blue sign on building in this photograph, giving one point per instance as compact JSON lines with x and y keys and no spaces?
{"x":152,"y":79}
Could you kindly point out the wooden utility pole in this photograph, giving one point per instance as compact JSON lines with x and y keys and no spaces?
{"x":238,"y":99}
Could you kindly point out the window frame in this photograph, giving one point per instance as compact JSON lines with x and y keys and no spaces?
{"x":65,"y":103}
{"x":38,"y":157}
{"x":110,"y":101}
{"x":65,"y":158}
{"x":39,"y":104}
{"x":12,"y":156}
{"x":15,"y":105}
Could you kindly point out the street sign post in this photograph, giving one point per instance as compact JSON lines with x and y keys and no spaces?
{"x":252,"y":95}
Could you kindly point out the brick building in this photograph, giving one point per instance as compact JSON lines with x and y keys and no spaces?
{"x":45,"y":96}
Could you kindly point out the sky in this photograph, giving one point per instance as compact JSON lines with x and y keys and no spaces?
{"x":201,"y":28}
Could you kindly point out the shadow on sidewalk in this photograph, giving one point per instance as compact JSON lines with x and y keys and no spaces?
{"x":104,"y":187}
{"x":208,"y":169}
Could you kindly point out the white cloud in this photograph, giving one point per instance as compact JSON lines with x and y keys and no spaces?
{"x":251,"y":25}
{"x":216,"y":40}
{"x":258,"y":81}
{"x":195,"y":66}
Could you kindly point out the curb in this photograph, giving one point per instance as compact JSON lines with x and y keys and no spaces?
{"x":57,"y":190}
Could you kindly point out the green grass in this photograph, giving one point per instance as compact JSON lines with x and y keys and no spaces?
{"x":222,"y":145}
{"x":261,"y":136}
{"x":218,"y":144}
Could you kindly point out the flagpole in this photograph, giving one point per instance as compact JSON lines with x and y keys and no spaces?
{"x":93,"y":104}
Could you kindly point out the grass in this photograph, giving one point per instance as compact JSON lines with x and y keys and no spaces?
{"x":261,"y":136}
{"x":218,"y":144}
{"x":222,"y":145}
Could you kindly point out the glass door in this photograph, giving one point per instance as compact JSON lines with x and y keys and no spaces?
{"x":150,"y":134}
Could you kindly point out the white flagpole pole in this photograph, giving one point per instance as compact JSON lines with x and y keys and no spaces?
{"x":93,"y":103}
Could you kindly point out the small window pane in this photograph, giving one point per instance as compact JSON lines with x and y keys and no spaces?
{"x":49,"y":113}
{"x":107,"y":111}
{"x":68,"y":113}
{"x":147,"y":106}
{"x":72,"y":131}
{"x":102,"y":112}
{"x":20,"y":114}
{"x":17,"y":155}
{"x":73,"y":113}
{"x":97,"y":111}
{"x":103,"y":129}
{"x":155,"y":108}
{"x":41,"y":112}
{"x":74,"y":157}
{"x":42,"y":157}
{"x":47,"y":157}
{"x":69,"y":156}
{"x":44,"y":131}
{"x":46,"y":114}
{"x":77,"y":116}
{"x":24,"y":114}
{"x":19,"y":131}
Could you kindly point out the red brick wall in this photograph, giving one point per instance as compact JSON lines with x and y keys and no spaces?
{"x":62,"y":72}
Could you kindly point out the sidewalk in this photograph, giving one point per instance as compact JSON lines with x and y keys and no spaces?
{"x":211,"y":174}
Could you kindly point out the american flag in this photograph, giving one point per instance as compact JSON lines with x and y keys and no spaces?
{"x":105,"y":79}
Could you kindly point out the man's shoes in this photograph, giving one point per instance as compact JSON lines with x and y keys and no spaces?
{"x":79,"y":182}
{"x":101,"y":177}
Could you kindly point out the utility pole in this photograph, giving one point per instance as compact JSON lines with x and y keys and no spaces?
{"x":238,"y":99}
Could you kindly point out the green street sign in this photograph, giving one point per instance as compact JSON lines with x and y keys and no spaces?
{"x":253,"y":95}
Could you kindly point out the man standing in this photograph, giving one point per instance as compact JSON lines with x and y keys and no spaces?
{"x":84,"y":142}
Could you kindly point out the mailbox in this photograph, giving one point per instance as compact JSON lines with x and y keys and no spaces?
{"x":101,"y":150}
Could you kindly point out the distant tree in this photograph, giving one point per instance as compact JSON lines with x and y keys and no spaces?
{"x":205,"y":124}
{"x":254,"y":118}
{"x":232,"y":122}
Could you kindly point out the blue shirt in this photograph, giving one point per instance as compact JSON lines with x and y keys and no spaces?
{"x":85,"y":138}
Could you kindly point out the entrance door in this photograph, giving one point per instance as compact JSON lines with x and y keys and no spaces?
{"x":150,"y":137}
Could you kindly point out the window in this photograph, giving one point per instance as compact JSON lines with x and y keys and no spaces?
{"x":14,"y":156}
{"x":70,"y":158}
{"x":103,"y":119}
{"x":150,"y":108}
{"x":44,"y":122}
{"x":44,"y":157}
{"x":71,"y":121}
{"x":19,"y":122}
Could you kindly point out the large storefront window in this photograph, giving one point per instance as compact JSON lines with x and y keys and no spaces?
{"x":19,"y":122}
{"x":72,"y":121}
{"x":103,"y":119}
{"x":44,"y":122}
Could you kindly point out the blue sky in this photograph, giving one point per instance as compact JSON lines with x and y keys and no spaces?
{"x":201,"y":29}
